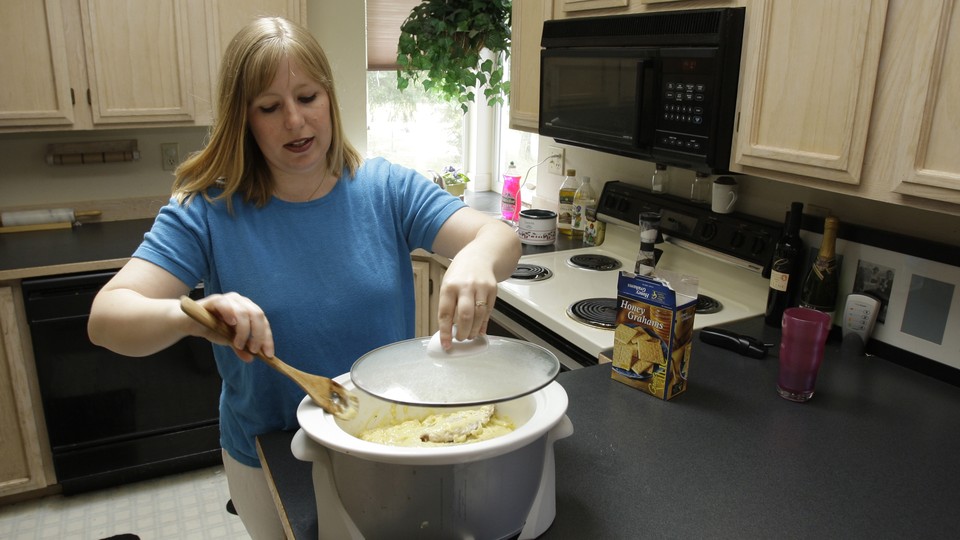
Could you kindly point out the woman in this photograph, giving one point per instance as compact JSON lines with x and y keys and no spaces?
{"x":302,"y":248}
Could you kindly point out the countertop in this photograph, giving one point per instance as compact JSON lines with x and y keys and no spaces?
{"x":874,"y":454}
{"x":91,"y":246}
{"x":103,"y":245}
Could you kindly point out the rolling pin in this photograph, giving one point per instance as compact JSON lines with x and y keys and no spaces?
{"x":38,"y":220}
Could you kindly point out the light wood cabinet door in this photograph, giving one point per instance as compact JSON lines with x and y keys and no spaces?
{"x":586,"y":5}
{"x":22,"y":467}
{"x":421,"y":292}
{"x":807,"y":87}
{"x":83,"y":64}
{"x":109,"y":64}
{"x":527,"y":18}
{"x":929,"y":135}
{"x":34,"y":66}
{"x":138,"y":61}
{"x":226,"y":17}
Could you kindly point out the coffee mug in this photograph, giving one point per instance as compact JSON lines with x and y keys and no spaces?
{"x":724,"y":195}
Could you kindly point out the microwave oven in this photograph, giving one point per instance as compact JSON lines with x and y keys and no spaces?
{"x":660,"y":87}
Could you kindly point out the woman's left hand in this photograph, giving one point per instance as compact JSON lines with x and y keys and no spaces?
{"x":484,"y":251}
{"x":467,"y":295}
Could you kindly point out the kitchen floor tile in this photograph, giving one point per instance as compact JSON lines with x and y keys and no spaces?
{"x":188,"y":506}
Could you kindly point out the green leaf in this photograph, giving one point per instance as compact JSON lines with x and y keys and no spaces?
{"x":439,"y":48}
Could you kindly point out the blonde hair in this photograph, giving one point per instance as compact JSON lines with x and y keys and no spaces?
{"x":231,"y":158}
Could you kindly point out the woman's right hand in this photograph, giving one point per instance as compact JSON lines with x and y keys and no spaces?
{"x":137,"y":313}
{"x":251,"y":329}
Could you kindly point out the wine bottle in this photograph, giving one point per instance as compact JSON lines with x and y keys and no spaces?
{"x":819,"y":289}
{"x":786,"y":268}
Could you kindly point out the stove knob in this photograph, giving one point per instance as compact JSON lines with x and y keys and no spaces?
{"x":709,"y":230}
{"x":759,"y":244}
{"x":737,"y":240}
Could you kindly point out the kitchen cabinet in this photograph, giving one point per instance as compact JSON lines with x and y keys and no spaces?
{"x":94,"y":64}
{"x":527,"y":24}
{"x":421,"y":291}
{"x":24,"y":466}
{"x":925,"y":141}
{"x":807,"y":87}
{"x":583,"y":5}
{"x":877,"y":122}
{"x":226,"y":17}
{"x":98,"y":63}
{"x":428,"y":270}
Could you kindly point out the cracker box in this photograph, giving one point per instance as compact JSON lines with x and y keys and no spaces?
{"x":654,"y":333}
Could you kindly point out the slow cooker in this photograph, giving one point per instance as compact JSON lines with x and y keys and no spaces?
{"x":497,"y":488}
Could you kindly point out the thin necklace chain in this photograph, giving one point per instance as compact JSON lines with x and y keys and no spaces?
{"x":320,"y":185}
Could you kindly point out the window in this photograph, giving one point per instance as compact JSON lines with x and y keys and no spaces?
{"x":412,"y":128}
{"x":417,"y":129}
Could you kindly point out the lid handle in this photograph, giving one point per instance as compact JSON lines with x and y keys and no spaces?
{"x":466,"y":347}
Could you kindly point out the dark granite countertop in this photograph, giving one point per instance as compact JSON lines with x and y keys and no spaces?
{"x":98,"y":245}
{"x":60,"y":251}
{"x":874,"y":454}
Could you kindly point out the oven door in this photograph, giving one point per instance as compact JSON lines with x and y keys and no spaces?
{"x":507,"y":321}
{"x":112,"y":419}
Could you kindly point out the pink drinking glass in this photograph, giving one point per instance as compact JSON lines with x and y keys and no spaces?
{"x":801,"y":351}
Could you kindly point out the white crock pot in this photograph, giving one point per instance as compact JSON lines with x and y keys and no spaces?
{"x":497,"y":488}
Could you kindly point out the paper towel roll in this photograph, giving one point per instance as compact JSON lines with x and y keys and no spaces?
{"x":38,"y":217}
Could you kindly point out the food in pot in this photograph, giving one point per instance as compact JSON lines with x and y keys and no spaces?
{"x":466,"y":426}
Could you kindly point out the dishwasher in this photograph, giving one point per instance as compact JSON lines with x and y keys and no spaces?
{"x":113,"y":419}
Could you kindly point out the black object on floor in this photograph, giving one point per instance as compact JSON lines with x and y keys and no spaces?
{"x":230,"y":507}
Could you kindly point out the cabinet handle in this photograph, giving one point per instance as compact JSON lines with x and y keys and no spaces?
{"x":73,"y":97}
{"x":89,"y":101}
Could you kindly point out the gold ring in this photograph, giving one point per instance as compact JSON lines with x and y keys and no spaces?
{"x":481,"y":303}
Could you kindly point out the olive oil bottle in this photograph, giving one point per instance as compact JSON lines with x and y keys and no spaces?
{"x":568,"y":190}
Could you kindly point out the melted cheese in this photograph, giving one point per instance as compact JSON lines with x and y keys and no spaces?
{"x":467,"y":426}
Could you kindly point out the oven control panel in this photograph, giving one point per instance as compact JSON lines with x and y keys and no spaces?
{"x":742,"y":236}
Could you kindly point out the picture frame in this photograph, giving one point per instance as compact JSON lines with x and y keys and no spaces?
{"x":920,"y":297}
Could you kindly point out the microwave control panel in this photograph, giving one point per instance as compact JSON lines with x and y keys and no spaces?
{"x":688,"y":85}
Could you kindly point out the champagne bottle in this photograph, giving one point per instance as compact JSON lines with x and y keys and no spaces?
{"x":565,"y":214}
{"x":786,"y":268}
{"x":819,"y":289}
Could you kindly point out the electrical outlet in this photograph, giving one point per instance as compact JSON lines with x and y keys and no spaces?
{"x":170,"y":155}
{"x":555,"y":164}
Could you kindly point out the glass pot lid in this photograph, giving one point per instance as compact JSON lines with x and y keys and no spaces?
{"x":473,"y":372}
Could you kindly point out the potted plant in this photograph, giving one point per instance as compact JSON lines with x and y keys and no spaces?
{"x":440,"y":46}
{"x":451,"y":179}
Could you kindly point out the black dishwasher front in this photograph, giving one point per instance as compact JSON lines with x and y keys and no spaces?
{"x":113,"y":419}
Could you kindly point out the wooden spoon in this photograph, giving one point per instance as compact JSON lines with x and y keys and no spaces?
{"x":330,"y":395}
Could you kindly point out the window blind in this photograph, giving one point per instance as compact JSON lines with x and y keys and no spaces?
{"x":384,"y":18}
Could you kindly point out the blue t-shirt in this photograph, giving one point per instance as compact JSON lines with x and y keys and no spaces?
{"x":333,"y":276}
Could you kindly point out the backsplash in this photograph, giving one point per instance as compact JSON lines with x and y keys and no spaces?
{"x":917,"y":282}
{"x":26,"y":181}
{"x":759,"y":197}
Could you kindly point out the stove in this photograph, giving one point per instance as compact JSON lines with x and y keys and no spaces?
{"x":574,"y":306}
